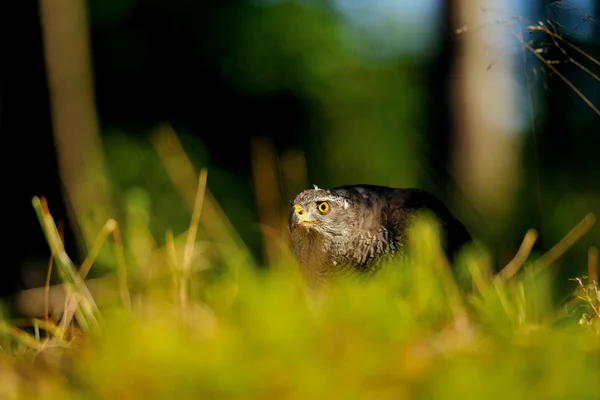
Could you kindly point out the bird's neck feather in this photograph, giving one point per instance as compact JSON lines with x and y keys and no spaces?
{"x":317,"y":255}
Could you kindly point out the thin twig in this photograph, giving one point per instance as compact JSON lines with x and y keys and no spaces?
{"x":121,"y":266}
{"x":191,"y":236}
{"x":593,"y":266}
{"x":20,"y":335}
{"x":557,"y":72}
{"x":61,"y":233}
{"x":171,"y":254}
{"x":547,"y":31}
{"x":565,"y":243}
{"x":522,"y":254}
{"x":71,"y":305}
{"x":588,"y":299}
{"x":569,"y":58}
{"x":184,"y":177}
{"x":47,"y":288}
{"x":46,"y":325}
{"x":86,"y":266}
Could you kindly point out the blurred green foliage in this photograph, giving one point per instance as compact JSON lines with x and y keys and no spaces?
{"x":408,"y":333}
{"x":369,"y":115}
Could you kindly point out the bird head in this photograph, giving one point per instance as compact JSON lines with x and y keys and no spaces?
{"x":318,"y":211}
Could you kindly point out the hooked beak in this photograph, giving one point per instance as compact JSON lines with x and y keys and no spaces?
{"x":298,"y":216}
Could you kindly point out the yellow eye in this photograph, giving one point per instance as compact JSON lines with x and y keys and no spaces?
{"x":323,"y":207}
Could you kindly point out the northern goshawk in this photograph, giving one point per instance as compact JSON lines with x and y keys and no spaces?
{"x":350,"y":229}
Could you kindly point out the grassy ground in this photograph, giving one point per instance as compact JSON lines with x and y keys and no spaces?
{"x":230,"y":330}
{"x":196,"y":319}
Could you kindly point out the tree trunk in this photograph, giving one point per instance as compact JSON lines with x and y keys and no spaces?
{"x":485,"y":154}
{"x":74,"y":120}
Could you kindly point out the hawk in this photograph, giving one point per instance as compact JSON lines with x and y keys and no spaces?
{"x":351,"y":229}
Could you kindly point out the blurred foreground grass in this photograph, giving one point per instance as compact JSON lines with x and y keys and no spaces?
{"x":196,"y":319}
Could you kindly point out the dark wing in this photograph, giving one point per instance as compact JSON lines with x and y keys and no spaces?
{"x":393,"y":208}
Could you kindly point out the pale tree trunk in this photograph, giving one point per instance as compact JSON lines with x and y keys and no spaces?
{"x":486,"y":154}
{"x":74,"y":120}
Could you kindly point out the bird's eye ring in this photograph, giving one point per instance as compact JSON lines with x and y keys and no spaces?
{"x":323,"y":207}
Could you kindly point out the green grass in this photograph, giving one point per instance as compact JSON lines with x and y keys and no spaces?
{"x":231,"y":330}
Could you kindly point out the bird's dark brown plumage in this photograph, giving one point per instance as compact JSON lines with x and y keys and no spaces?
{"x":352,"y":228}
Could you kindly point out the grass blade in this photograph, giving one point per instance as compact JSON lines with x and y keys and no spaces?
{"x":86,"y":309}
